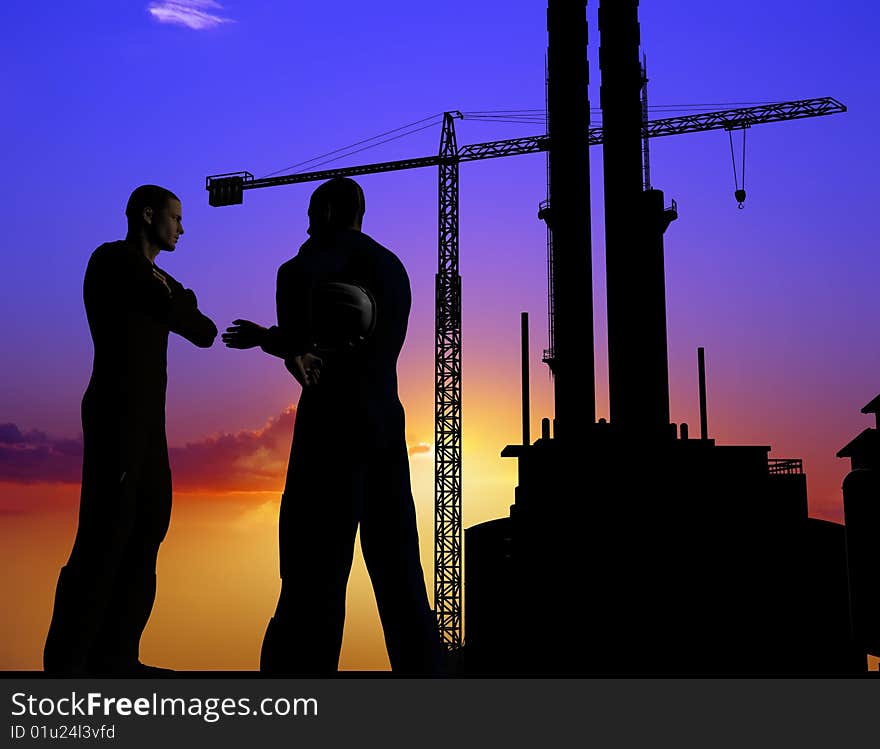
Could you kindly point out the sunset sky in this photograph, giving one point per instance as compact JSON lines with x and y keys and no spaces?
{"x":102,"y":96}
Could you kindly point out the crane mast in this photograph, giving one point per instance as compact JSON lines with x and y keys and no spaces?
{"x":447,"y":399}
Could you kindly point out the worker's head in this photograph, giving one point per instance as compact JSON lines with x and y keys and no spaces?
{"x":156,"y":213}
{"x":336,"y":205}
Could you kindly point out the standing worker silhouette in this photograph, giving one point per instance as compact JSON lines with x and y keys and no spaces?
{"x":106,"y":591}
{"x":343,"y":304}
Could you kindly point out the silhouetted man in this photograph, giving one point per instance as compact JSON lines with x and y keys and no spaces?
{"x":348,"y":464}
{"x":106,"y":591}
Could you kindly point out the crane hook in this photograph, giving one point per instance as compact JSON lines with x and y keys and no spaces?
{"x":739,"y":192}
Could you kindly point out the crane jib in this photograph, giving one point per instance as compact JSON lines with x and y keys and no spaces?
{"x":221,"y":185}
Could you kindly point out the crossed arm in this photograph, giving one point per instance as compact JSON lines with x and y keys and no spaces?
{"x":183,"y":314}
{"x":119,"y":283}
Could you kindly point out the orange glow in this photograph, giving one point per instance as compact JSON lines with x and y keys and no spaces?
{"x":218,"y":568}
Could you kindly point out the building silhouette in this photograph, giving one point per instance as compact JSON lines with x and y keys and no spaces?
{"x":632,"y":548}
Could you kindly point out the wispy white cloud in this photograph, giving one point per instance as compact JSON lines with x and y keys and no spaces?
{"x":194,"y":14}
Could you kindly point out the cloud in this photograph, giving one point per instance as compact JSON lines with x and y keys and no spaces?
{"x":251,"y":460}
{"x":34,"y":457}
{"x":194,"y":14}
{"x":420,"y":448}
{"x":246,"y":461}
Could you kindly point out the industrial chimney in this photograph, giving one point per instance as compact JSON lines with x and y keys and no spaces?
{"x":635,"y":221}
{"x":568,"y":110}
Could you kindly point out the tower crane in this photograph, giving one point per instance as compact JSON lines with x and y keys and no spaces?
{"x":228,"y":188}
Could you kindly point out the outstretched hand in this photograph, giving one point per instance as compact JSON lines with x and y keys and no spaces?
{"x":243,"y":334}
{"x":306,"y":368}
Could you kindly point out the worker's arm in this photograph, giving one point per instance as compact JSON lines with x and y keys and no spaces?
{"x":119,"y":282}
{"x":289,"y":339}
{"x":184,"y":316}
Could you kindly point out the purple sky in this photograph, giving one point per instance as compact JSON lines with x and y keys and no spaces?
{"x":101,"y":96}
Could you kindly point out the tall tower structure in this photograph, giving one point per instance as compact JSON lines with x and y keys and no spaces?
{"x":568,"y":108}
{"x":635,"y":221}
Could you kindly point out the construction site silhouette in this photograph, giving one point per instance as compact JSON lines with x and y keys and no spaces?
{"x":632,"y":547}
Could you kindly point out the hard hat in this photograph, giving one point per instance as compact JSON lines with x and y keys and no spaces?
{"x":343,"y":316}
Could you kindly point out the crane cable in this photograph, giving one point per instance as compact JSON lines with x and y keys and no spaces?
{"x":739,"y":192}
{"x":345,"y":151}
{"x":520,"y":116}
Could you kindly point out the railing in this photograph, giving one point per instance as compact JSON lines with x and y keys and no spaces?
{"x":785,"y":466}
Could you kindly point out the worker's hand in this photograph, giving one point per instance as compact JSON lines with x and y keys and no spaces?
{"x":243,"y":334}
{"x":159,"y":276}
{"x":306,"y":368}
